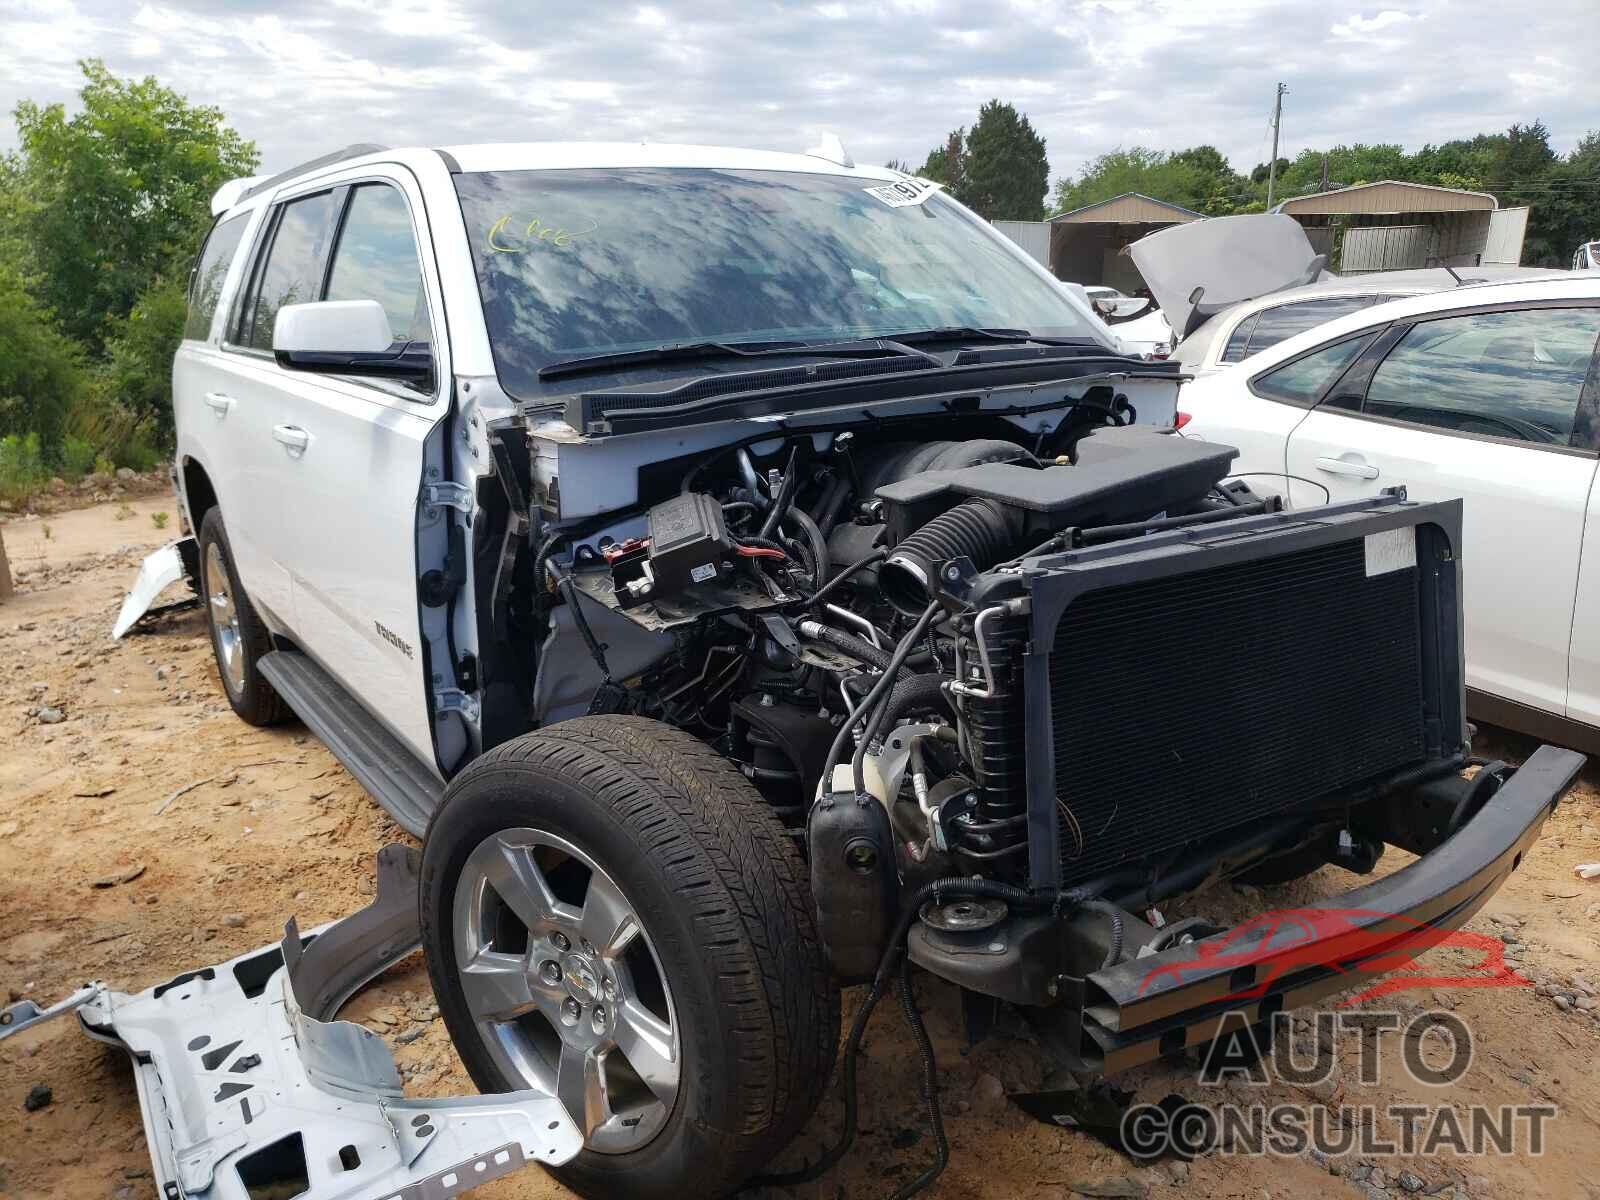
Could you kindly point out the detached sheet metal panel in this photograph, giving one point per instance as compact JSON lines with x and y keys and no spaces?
{"x":1507,"y":228}
{"x":1032,"y":236}
{"x":1385,"y":248}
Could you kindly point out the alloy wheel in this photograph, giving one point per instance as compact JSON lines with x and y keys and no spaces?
{"x":565,"y":987}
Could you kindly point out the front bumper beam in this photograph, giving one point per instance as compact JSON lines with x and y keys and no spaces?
{"x":1145,"y":1007}
{"x":249,"y":1086}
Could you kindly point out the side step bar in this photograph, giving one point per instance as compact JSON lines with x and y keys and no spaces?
{"x":381,"y":763}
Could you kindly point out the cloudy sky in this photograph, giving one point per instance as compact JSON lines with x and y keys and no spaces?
{"x":305,"y":76}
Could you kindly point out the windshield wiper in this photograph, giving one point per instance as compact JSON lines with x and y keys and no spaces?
{"x":693,"y":351}
{"x":958,"y":333}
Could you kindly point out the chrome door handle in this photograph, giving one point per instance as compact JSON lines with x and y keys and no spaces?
{"x":292,"y":436}
{"x":219,"y":404}
{"x":1344,"y":466}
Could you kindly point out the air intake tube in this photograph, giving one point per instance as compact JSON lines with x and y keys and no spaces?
{"x":980,"y":529}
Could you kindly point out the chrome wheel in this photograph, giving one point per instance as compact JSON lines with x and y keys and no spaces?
{"x":223,"y":613}
{"x":564,"y":986}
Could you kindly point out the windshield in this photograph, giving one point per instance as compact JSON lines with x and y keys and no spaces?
{"x":581,"y":262}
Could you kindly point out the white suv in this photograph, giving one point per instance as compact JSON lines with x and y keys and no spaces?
{"x":754,"y":573}
{"x":431,"y":409}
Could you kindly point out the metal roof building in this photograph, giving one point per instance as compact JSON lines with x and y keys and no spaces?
{"x":1086,"y":244}
{"x":1394,"y":225}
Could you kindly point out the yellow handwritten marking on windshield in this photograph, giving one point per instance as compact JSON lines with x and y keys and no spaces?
{"x":538,"y":231}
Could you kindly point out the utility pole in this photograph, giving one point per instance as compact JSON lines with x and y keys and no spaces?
{"x":1272,"y":167}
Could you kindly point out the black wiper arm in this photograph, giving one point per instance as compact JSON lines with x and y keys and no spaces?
{"x":692,"y":351}
{"x":958,"y":333}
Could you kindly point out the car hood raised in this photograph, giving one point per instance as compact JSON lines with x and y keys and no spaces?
{"x":1228,"y":260}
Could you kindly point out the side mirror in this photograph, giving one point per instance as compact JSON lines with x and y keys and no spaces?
{"x":345,"y":337}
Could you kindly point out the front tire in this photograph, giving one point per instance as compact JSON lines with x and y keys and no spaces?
{"x":239,"y":638}
{"x":611,"y":913}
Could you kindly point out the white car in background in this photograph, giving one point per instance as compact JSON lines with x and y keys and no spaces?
{"x":1249,"y":328}
{"x":1488,"y":392}
{"x":1235,"y":286}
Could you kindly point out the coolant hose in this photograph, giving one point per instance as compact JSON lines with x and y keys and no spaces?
{"x":910,"y":694}
{"x":818,"y":543}
{"x":979,"y":529}
{"x":857,"y":648}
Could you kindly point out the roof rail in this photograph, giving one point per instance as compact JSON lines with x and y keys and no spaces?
{"x":327,"y":160}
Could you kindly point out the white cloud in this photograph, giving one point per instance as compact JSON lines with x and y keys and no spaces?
{"x":1366,"y":27}
{"x":305,"y":76}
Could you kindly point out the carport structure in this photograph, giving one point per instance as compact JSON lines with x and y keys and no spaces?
{"x":1086,"y":244}
{"x":1393,"y":226}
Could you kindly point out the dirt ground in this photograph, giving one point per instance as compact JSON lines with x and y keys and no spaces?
{"x":97,"y":736}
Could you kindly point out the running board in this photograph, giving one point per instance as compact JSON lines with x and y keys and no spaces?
{"x":381,"y":763}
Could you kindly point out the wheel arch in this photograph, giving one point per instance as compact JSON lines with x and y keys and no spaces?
{"x":199,"y":494}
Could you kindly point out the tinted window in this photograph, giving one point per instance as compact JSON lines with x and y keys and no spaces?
{"x":1281,"y":323}
{"x":293,"y":270}
{"x":1305,"y":379}
{"x":205,"y":289}
{"x":1507,"y":374}
{"x":1239,"y":342}
{"x":377,"y":260}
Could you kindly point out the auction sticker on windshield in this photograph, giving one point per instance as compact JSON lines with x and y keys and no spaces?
{"x":904,"y":192}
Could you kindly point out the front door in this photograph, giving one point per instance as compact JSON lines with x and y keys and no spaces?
{"x":348,"y":452}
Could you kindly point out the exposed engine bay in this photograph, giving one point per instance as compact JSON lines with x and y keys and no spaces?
{"x":951,"y":658}
{"x":787,"y":606}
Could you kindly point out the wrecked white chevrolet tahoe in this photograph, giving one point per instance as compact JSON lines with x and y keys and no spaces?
{"x":750,"y":573}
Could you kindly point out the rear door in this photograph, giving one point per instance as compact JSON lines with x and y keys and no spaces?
{"x":205,"y":404}
{"x":344,"y":454}
{"x":1484,"y":405}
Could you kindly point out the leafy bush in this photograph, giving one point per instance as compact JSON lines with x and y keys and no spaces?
{"x":139,"y":349}
{"x":77,"y":457}
{"x":22,"y":468}
{"x":41,"y":370}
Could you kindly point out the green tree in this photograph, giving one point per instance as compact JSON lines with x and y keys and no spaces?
{"x":1007,"y":172}
{"x":944,"y":163}
{"x":1198,"y":178}
{"x":109,"y":199}
{"x":41,"y":370}
{"x":139,"y":350}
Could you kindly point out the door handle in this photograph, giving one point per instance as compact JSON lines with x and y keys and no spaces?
{"x":219,"y":404}
{"x":292,"y":436}
{"x":1355,"y":467}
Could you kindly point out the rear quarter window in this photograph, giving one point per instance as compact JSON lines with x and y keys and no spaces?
{"x":210,"y":272}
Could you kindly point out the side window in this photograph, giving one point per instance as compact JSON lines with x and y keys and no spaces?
{"x":1239,"y":340}
{"x":1305,"y":379}
{"x":376,"y":259}
{"x":292,"y":272}
{"x":205,"y":287}
{"x":1512,"y":374}
{"x":1278,"y":324}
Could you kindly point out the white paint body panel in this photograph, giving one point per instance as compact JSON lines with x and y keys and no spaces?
{"x":1529,"y":514}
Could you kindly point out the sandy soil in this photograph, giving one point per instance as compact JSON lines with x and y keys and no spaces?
{"x":275,"y":827}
